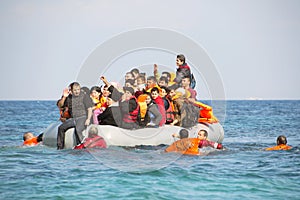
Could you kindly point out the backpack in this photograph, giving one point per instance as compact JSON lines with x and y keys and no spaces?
{"x":193,"y":81}
{"x":189,"y":115}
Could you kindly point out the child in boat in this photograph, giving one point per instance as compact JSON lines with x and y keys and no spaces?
{"x":281,"y":144}
{"x":93,"y":140}
{"x":31,"y":140}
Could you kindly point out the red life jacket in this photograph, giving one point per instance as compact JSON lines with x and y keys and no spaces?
{"x":161,"y":107}
{"x":131,"y":117}
{"x":170,"y":113}
{"x":206,"y":143}
{"x":94,"y":142}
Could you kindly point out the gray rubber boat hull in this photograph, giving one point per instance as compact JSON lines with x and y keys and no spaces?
{"x":115,"y":136}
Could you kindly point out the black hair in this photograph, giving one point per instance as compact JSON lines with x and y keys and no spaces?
{"x":166,"y":89}
{"x":281,"y":140}
{"x":129,"y":89}
{"x":181,"y":57}
{"x":205,"y":132}
{"x":142,"y":77}
{"x":163,"y":78}
{"x":130,"y":81}
{"x":96,"y":88}
{"x":135,"y":70}
{"x":74,"y":84}
{"x":151,"y":78}
{"x":183,"y":133}
{"x":155,"y":89}
{"x":168,"y":74}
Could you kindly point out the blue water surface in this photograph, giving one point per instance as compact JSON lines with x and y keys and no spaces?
{"x":244,"y":170}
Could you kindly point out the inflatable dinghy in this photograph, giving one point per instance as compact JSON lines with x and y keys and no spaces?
{"x":115,"y":136}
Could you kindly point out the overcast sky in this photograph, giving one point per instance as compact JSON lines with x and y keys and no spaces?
{"x":254,"y":44}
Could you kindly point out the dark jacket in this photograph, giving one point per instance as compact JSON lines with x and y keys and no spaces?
{"x":111,"y":116}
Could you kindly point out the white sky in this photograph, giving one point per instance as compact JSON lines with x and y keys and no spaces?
{"x":255,"y":44}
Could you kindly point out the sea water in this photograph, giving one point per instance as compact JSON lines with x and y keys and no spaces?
{"x":242,"y":171}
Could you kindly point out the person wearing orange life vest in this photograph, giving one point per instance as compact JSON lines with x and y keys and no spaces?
{"x":204,"y":142}
{"x":187,"y":146}
{"x":205,"y":113}
{"x":31,"y":140}
{"x":281,"y":144}
{"x":63,"y":109}
{"x":168,"y":103}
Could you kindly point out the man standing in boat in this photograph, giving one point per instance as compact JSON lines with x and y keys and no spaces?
{"x":80,"y":108}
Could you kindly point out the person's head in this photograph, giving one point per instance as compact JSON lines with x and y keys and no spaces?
{"x":95,"y":92}
{"x":27,"y":136}
{"x":85,"y":90}
{"x":148,"y":99}
{"x":93,"y":131}
{"x":154,"y":92}
{"x":128,"y":75}
{"x":135,"y":72}
{"x":166,"y":74}
{"x":163,"y":81}
{"x":75,"y":88}
{"x":180,"y":60}
{"x":129,"y":83}
{"x":281,"y":140}
{"x":172,"y":90}
{"x":105,"y":92}
{"x":202,"y":134}
{"x":183,"y":133}
{"x":128,"y":92}
{"x":185,"y":82}
{"x":151,"y":80}
{"x":164,"y":91}
{"x":141,"y":80}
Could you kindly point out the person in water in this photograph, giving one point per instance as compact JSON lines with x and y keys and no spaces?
{"x":185,"y":145}
{"x":93,"y":140}
{"x":204,"y":142}
{"x":281,"y":144}
{"x":31,"y":140}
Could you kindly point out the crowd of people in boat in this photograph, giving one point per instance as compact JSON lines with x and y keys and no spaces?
{"x":143,"y":101}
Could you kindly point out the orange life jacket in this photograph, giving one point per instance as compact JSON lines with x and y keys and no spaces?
{"x":132,"y":116}
{"x":279,"y":147}
{"x":31,"y":142}
{"x":206,"y":113}
{"x":64,"y":113}
{"x":188,"y":146}
{"x":143,"y":105}
{"x":170,"y":113}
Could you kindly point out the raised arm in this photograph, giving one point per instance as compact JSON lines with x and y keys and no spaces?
{"x":66,"y":93}
{"x":105,"y":81}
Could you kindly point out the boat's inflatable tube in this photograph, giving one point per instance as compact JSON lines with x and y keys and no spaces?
{"x":115,"y":136}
